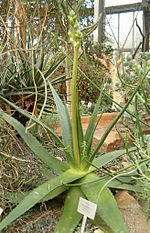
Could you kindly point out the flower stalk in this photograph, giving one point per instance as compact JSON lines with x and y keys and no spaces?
{"x":74,"y":108}
{"x":75,"y":36}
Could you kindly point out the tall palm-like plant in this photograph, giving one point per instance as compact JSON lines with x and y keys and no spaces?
{"x":77,"y":174}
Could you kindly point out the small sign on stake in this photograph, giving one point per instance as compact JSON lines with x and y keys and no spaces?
{"x":88,"y":209}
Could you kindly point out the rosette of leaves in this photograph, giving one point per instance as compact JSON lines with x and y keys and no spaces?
{"x":24,"y":81}
{"x":76,"y":175}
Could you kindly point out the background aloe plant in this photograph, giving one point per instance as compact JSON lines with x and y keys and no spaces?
{"x":24,"y":79}
{"x":77,"y":174}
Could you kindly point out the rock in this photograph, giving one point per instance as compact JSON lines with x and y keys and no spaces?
{"x":59,"y":158}
{"x":132,"y":213}
{"x":112,"y":142}
{"x":98,"y":231}
{"x":126,"y":165}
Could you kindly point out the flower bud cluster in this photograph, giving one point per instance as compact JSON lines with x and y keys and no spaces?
{"x":74,"y":33}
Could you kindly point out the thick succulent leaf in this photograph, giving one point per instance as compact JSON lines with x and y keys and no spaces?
{"x":14,"y":198}
{"x":46,"y":172}
{"x":92,"y":124}
{"x":128,"y":180}
{"x":64,"y":120}
{"x":17,"y":197}
{"x":102,"y":160}
{"x":121,"y":182}
{"x":35,"y":146}
{"x":70,"y":217}
{"x":115,"y":184}
{"x":34,"y":119}
{"x":59,"y":79}
{"x":39,"y":193}
{"x":54,"y":193}
{"x":80,"y":129}
{"x":106,"y":205}
{"x":53,"y":68}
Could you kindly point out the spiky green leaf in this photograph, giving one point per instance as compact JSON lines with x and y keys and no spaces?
{"x":65,"y":123}
{"x":79,"y":129}
{"x":39,"y":193}
{"x":34,"y":145}
{"x":106,"y":205}
{"x":92,"y":124}
{"x":102,"y":160}
{"x":34,"y":119}
{"x":70,"y":217}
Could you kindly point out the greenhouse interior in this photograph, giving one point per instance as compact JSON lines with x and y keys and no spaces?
{"x":75,"y":116}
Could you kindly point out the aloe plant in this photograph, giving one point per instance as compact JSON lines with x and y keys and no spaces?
{"x":77,"y":174}
{"x":27,"y":81}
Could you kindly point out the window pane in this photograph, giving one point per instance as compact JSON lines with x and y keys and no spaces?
{"x":122,"y":30}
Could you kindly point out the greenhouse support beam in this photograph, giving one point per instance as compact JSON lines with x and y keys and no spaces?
{"x":99,"y":32}
{"x":123,"y":8}
{"x":146,"y":24}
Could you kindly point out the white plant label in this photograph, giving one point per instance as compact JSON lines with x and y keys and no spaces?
{"x":1,"y":211}
{"x":87,"y":208}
